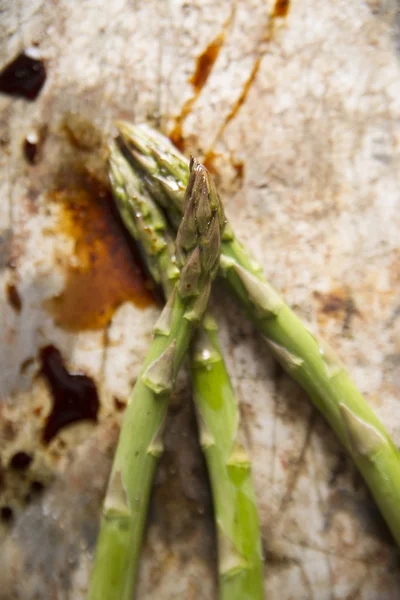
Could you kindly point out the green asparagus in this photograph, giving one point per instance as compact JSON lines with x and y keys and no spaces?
{"x":308,"y":360}
{"x":239,"y":546}
{"x":140,"y":442}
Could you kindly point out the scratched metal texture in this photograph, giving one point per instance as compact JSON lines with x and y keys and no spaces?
{"x":300,"y":119}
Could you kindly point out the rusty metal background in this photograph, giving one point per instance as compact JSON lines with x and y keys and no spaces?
{"x":295,"y":106}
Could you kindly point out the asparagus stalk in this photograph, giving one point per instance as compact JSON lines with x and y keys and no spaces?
{"x":239,"y":545}
{"x":140,"y":442}
{"x":307,"y":359}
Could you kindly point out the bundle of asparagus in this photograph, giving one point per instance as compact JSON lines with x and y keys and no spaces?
{"x":308,"y":360}
{"x":239,"y":544}
{"x":156,"y":178}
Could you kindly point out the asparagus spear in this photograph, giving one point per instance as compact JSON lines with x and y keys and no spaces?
{"x":140,"y":442}
{"x":307,"y":359}
{"x":239,"y":545}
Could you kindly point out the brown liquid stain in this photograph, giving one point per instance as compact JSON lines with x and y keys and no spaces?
{"x":119,"y":405}
{"x":74,"y":394}
{"x":106,"y":271}
{"x":81,"y":132}
{"x":281,"y":8}
{"x":280,"y":11}
{"x":13,"y":297}
{"x":26,"y":364}
{"x":239,"y":168}
{"x":337,"y":304}
{"x":209,"y":161}
{"x":204,"y":65}
{"x":237,"y":106}
{"x":32,"y":146}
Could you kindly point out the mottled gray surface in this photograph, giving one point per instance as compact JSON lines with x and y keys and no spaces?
{"x":309,"y":170}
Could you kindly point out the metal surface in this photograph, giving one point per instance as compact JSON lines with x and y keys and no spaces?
{"x":299,"y":117}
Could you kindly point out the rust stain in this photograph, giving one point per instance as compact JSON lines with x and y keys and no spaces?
{"x":281,"y":8}
{"x":13,"y":297}
{"x":279,"y":12}
{"x":333,"y":302}
{"x":206,"y":61}
{"x":209,"y":161}
{"x":106,"y":270}
{"x":245,"y":91}
{"x":337,"y":304}
{"x":119,"y":405}
{"x":204,"y":66}
{"x":176,"y":133}
{"x":26,"y":364}
{"x":81,"y":133}
{"x":237,"y":106}
{"x":238,"y":165}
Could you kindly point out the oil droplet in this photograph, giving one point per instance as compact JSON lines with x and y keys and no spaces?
{"x":33,"y":143}
{"x":106,"y":271}
{"x":74,"y":394}
{"x":13,"y":297}
{"x":24,"y":76}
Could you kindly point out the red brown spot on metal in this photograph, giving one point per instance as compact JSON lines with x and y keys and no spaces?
{"x":13,"y":297}
{"x":238,"y":165}
{"x":205,"y":62}
{"x":81,"y":133}
{"x":176,"y":133}
{"x":106,"y":270}
{"x":120,"y":405}
{"x":333,"y":302}
{"x":24,"y":76}
{"x":243,"y":95}
{"x":338,"y":304}
{"x":237,"y":106}
{"x":204,"y":66}
{"x":74,"y":395}
{"x":281,"y":8}
{"x":26,"y":364}
{"x":209,"y":161}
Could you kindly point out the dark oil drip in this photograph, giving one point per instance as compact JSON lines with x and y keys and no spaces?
{"x":20,"y":461}
{"x":204,"y":65}
{"x":23,"y":77}
{"x":33,"y":144}
{"x":108,"y":270}
{"x":13,"y":297}
{"x":210,"y":155}
{"x":74,"y":394}
{"x":30,"y":148}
